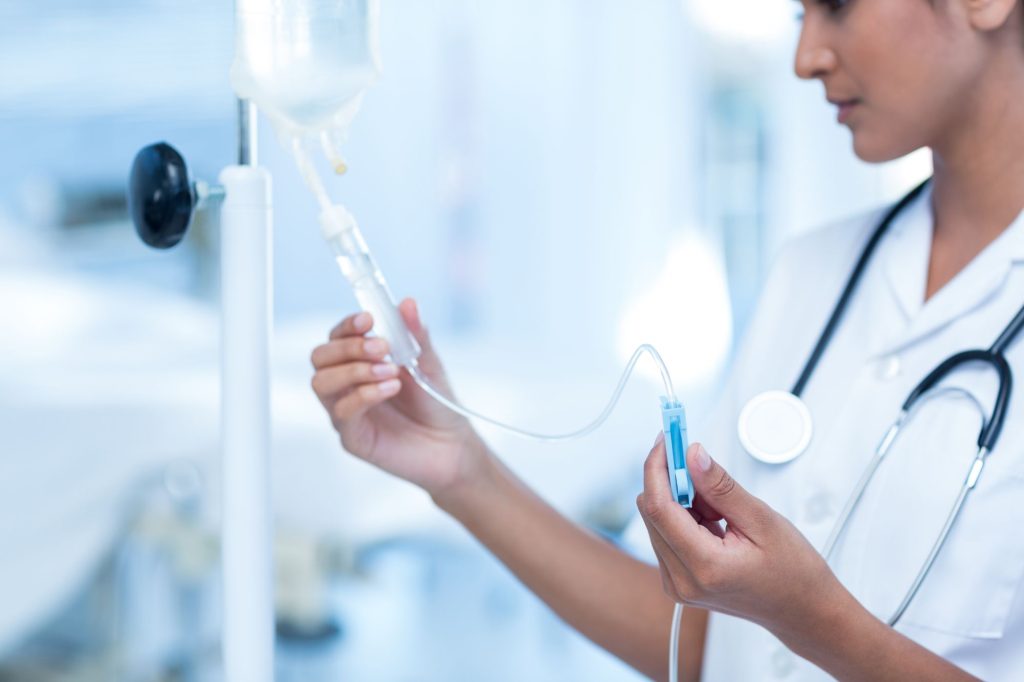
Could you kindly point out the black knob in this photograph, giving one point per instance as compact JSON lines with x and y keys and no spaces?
{"x":161,"y":198}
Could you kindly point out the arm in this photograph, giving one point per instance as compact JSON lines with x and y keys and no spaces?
{"x":854,"y":645}
{"x":384,"y":418}
{"x":613,"y":599}
{"x":761,"y":568}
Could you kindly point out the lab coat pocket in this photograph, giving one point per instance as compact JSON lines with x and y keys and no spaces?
{"x":971,"y":586}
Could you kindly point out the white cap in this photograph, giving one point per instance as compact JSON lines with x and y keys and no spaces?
{"x":335,"y":220}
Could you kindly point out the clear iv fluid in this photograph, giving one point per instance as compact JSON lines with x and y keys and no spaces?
{"x":306,"y":63}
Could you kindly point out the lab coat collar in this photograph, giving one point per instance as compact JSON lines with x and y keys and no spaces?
{"x":905,"y":255}
{"x":905,"y":264}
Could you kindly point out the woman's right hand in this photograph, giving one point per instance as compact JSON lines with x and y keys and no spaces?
{"x":381,"y":414}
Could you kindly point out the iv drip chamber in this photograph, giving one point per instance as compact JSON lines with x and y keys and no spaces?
{"x":371,"y":290}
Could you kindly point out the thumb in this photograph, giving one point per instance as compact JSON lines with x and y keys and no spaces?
{"x":429,"y":362}
{"x":719,"y":491}
{"x":411,"y":316}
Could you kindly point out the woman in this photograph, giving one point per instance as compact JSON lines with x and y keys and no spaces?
{"x":948,"y":275}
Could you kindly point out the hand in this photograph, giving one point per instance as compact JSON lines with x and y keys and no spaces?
{"x":383,"y":416}
{"x":758,"y":567}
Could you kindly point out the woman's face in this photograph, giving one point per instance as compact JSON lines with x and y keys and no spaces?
{"x":902,"y":73}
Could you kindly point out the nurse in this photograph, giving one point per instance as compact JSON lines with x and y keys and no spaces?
{"x":947,"y":276}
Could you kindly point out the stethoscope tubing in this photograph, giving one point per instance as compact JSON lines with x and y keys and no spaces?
{"x":993,"y":427}
{"x":972,"y":479}
{"x":1009,"y":334}
{"x":851,"y":286}
{"x":988,"y":435}
{"x":842,"y":523}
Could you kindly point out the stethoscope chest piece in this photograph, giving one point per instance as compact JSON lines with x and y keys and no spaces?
{"x":775,"y":427}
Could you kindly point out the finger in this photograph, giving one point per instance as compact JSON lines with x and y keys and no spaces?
{"x":361,"y":399}
{"x":429,"y":361}
{"x":675,"y":524}
{"x":410,"y":312}
{"x":331,"y":382}
{"x":350,"y":349}
{"x":411,"y":315}
{"x":663,"y":550}
{"x":656,"y":469}
{"x":675,"y":574}
{"x":706,"y":511}
{"x":714,"y":527}
{"x":700,"y":506}
{"x":667,"y":585}
{"x":711,"y":524}
{"x":724,"y":495}
{"x":356,"y":324}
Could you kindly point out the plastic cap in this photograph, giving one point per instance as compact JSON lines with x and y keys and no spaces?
{"x":335,"y":220}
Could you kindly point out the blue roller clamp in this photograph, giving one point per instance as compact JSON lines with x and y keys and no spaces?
{"x":674,"y":418}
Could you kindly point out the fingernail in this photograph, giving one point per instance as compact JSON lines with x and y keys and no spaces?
{"x":703,"y":458}
{"x":375,"y":346}
{"x":659,"y":439}
{"x":384,"y":369}
{"x":389,"y":386}
{"x":362,"y":320}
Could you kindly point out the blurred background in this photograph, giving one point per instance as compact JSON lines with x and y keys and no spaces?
{"x":556,"y":182}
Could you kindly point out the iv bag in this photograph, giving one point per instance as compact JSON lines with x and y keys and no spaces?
{"x":306,"y":63}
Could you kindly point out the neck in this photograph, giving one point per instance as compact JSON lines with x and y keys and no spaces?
{"x":978,"y":187}
{"x":979,"y":168}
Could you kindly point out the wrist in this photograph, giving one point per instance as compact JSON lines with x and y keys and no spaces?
{"x":840,"y":636}
{"x":477,"y":473}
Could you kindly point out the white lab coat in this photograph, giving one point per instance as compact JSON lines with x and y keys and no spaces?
{"x":970,"y":609}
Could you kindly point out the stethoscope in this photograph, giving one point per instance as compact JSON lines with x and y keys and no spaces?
{"x":775,"y":427}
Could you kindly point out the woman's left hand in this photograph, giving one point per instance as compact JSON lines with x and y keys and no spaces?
{"x":757,"y":567}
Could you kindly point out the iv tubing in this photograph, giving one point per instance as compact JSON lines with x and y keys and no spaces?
{"x":673,"y":643}
{"x":316,"y":186}
{"x":309,"y":174}
{"x":424,"y":383}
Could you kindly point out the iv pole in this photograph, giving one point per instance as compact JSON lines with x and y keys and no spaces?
{"x":246,"y":315}
{"x":162,"y":199}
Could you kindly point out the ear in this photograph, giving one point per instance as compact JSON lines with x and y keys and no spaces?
{"x":990,"y":15}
